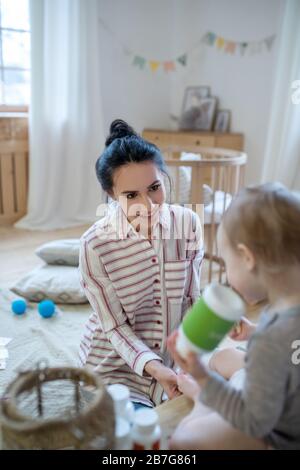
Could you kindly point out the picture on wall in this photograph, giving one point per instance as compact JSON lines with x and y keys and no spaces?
{"x":198,"y":110}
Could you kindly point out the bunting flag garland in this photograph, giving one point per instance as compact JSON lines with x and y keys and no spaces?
{"x":231,"y":47}
{"x":166,"y":65}
{"x":211,"y":39}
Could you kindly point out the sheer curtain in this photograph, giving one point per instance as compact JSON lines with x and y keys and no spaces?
{"x":66,"y":130}
{"x":282,"y":154}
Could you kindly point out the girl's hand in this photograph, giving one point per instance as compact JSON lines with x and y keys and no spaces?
{"x":243,"y":330}
{"x":188,"y":386}
{"x":192,"y":364}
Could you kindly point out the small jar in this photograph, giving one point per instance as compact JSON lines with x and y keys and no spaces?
{"x":121,"y":397}
{"x":123,"y":440}
{"x":146,"y":432}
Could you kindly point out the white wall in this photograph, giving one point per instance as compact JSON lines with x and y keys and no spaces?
{"x":146,"y":27}
{"x":164,"y":29}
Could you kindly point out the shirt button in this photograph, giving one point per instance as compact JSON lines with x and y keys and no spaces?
{"x":156,"y":345}
{"x":156,"y":281}
{"x":157,"y":302}
{"x":153,"y":260}
{"x":158,"y":322}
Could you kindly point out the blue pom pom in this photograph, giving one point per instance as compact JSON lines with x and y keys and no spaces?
{"x":46,"y":308}
{"x":19,"y":306}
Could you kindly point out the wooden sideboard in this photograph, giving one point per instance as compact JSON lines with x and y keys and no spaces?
{"x":13,"y":168}
{"x":192,"y":139}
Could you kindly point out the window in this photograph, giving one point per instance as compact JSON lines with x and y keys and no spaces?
{"x":14,"y":54}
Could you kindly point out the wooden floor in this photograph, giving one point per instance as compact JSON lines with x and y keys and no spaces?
{"x":17,"y":248}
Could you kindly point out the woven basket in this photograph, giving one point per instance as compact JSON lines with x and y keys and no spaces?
{"x":45,"y":409}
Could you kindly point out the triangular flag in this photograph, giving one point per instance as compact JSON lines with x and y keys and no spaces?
{"x":255,"y":47}
{"x":212,"y":38}
{"x":182,"y":59}
{"x":209,"y":38}
{"x":230,"y":47}
{"x":139,"y":61}
{"x":220,"y":42}
{"x":243,"y":46}
{"x":269,"y":42}
{"x":154,"y":65}
{"x":169,"y":66}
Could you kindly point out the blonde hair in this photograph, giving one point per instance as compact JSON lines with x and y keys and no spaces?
{"x":266,"y":218}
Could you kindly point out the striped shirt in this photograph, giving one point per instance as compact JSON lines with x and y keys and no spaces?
{"x":139,"y":290}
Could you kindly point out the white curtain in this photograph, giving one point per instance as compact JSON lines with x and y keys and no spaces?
{"x":66,"y":130}
{"x":282,"y":154}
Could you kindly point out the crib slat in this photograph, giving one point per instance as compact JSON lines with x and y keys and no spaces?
{"x":223,"y":171}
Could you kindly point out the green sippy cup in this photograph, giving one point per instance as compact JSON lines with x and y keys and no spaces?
{"x":209,"y":320}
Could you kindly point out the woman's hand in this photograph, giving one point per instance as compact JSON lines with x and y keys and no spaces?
{"x":165,"y":376}
{"x":243,"y":330}
{"x":192,"y":364}
{"x":168,"y":380}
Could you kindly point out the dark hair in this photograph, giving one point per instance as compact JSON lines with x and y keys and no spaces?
{"x":122,"y":146}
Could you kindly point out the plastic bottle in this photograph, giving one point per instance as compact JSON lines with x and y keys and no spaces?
{"x":123,"y":440}
{"x":122,"y":404}
{"x":146,"y":432}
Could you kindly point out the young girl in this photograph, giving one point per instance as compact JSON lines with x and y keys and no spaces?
{"x":259,"y":239}
{"x":140,"y":270}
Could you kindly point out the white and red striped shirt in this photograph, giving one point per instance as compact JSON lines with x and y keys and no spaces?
{"x":139,"y":290}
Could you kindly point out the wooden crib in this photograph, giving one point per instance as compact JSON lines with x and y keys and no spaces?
{"x":210,"y":183}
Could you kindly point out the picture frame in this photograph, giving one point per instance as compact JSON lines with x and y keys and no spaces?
{"x":198,"y":109}
{"x":198,"y":92}
{"x":222,"y":122}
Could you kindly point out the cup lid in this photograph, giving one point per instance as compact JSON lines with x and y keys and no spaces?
{"x":224,"y":301}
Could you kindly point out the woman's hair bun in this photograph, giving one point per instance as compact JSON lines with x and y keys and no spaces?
{"x":118,"y":130}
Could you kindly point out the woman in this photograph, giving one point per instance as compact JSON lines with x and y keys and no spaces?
{"x":140,"y":269}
